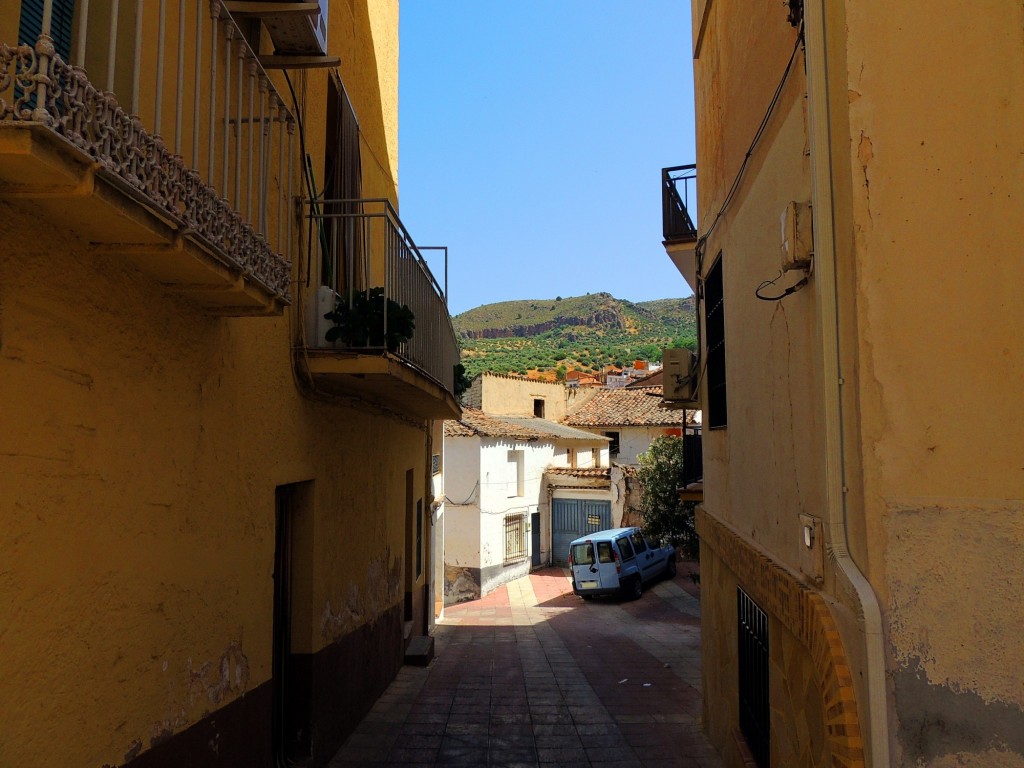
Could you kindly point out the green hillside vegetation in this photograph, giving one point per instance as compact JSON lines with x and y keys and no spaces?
{"x":582,"y":333}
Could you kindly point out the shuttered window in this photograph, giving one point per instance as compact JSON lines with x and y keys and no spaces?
{"x":714,"y":321}
{"x":60,"y":24}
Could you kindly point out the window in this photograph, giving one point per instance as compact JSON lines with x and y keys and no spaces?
{"x":752,"y":627}
{"x":341,"y":265}
{"x":60,"y":24}
{"x":613,"y":446}
{"x":435,"y":464}
{"x":714,"y":320}
{"x":515,"y":539}
{"x":538,"y":408}
{"x":625,"y":548}
{"x":604,"y":552}
{"x":582,"y":554}
{"x":516,"y":480}
{"x":638,"y":541}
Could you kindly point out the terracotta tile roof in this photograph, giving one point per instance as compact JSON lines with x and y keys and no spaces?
{"x":574,"y":472}
{"x":622,"y":407}
{"x":476,"y":423}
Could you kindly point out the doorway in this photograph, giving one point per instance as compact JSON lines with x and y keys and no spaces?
{"x":290,"y":714}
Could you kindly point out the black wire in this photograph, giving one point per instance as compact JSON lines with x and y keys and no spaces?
{"x":792,"y":289}
{"x":702,"y":241}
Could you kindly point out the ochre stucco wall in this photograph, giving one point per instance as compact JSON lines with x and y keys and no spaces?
{"x":929,"y":178}
{"x":937,"y":183}
{"x":139,"y":468}
{"x":142,"y":443}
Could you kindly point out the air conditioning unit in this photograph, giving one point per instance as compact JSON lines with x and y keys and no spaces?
{"x":298,"y":32}
{"x":679,"y":377}
{"x":324,"y":301}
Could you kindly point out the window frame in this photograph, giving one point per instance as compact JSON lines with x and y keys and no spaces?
{"x":715,"y":341}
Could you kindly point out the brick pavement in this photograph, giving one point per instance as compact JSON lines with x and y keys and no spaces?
{"x":532,"y":675}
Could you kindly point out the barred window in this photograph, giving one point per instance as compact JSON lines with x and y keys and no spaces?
{"x":753,"y":657}
{"x":515,"y":538}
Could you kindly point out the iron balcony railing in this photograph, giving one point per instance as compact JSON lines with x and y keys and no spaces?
{"x":370,"y":262}
{"x":177,"y":108}
{"x":678,"y":200}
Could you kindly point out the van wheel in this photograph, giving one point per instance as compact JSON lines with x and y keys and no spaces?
{"x":635,"y":589}
{"x":670,"y":567}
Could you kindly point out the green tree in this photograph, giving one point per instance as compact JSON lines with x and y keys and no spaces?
{"x":560,"y":373}
{"x":660,"y":476}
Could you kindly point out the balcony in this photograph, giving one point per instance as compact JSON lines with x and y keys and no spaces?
{"x":175,"y":157}
{"x":374,"y":281}
{"x":678,"y":200}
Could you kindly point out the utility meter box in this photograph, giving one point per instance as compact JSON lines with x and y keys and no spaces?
{"x":797,"y":241}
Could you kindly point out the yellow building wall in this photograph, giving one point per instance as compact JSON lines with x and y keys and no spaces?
{"x":500,"y":395}
{"x":929,"y":180}
{"x":936,"y":177}
{"x":141,"y":446}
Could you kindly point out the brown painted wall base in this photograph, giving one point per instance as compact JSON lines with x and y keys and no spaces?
{"x":238,"y":734}
{"x":340,"y":684}
{"x":349,"y":676}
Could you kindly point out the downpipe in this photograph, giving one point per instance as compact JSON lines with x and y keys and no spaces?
{"x":823,"y":212}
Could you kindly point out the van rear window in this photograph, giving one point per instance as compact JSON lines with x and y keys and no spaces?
{"x":604,"y":552}
{"x":583,"y":554}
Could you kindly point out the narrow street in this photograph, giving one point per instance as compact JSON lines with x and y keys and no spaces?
{"x":532,"y":675}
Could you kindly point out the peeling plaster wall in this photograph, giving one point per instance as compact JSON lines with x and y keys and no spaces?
{"x":929,"y":174}
{"x":936,"y":187}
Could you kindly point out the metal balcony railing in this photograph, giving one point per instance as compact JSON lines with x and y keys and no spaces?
{"x":678,"y":200}
{"x":368,"y":257}
{"x":178,"y":111}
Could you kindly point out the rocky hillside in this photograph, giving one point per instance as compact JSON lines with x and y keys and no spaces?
{"x":582,"y":332}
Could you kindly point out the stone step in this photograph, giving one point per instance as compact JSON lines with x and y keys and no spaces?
{"x":420,"y":651}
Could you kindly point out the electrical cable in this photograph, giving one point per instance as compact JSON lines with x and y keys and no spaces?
{"x":788,"y":291}
{"x":701,"y":242}
{"x":703,"y":239}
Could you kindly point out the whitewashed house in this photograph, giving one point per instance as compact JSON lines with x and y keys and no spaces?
{"x":497,"y":505}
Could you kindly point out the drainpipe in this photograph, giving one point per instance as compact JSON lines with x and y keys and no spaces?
{"x":823,"y":211}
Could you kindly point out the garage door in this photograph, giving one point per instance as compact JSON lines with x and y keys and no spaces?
{"x":572,"y":518}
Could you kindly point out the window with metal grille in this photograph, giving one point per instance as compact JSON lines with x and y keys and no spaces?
{"x":752,"y":625}
{"x":515,"y":538}
{"x":714,"y":322}
{"x":435,"y":464}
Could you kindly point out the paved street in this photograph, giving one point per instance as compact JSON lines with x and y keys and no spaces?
{"x":532,"y":675}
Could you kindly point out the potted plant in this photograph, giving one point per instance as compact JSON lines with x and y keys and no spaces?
{"x":361,"y":323}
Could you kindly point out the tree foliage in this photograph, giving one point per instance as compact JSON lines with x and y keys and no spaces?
{"x":661,"y":476}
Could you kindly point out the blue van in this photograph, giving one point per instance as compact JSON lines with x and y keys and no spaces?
{"x":618,"y":561}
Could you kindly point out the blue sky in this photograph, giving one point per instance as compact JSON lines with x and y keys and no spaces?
{"x":532,"y":137}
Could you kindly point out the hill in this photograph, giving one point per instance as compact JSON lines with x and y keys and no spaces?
{"x":582,"y":333}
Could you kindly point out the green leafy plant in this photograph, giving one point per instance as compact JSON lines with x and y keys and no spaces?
{"x":660,"y":477}
{"x":361,"y":323}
